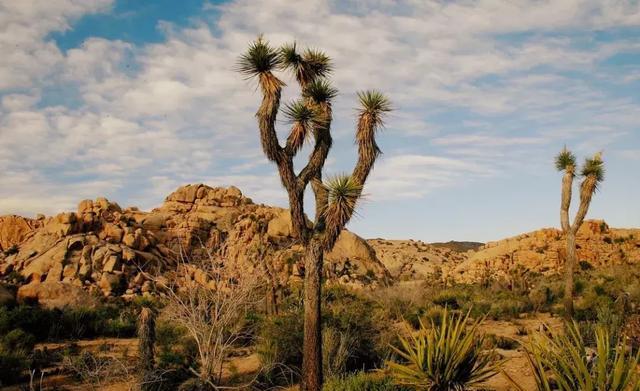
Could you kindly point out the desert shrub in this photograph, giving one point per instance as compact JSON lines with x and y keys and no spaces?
{"x":68,"y":323}
{"x":351,"y":313}
{"x":500,"y":342}
{"x":280,"y":339}
{"x":94,"y":370}
{"x":18,"y":340}
{"x":12,"y":366}
{"x":563,"y":362}
{"x":450,"y":298}
{"x":350,"y":320}
{"x":585,"y":265}
{"x":175,"y":354}
{"x":445,"y":357}
{"x":360,"y":381}
{"x":336,"y":351}
{"x":507,"y":308}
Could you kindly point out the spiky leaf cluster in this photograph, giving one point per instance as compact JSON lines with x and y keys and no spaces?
{"x":564,"y":362}
{"x":259,"y":58}
{"x":343,"y":195}
{"x":303,"y":118}
{"x":594,"y":167}
{"x":290,"y":58}
{"x":318,"y":63}
{"x":448,"y":356}
{"x":565,"y":160}
{"x":308,"y":67}
{"x":298,"y":111}
{"x":374,"y":104}
{"x":320,"y":91}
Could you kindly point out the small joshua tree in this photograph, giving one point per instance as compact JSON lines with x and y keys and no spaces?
{"x":146,"y":347}
{"x":310,"y":117}
{"x":593,"y":174}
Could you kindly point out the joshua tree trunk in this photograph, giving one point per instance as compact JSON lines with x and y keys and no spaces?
{"x":146,"y":347}
{"x":570,"y":264}
{"x":312,"y":346}
{"x":336,"y":200}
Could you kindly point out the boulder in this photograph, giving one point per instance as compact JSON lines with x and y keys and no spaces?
{"x":15,"y":229}
{"x":55,"y":295}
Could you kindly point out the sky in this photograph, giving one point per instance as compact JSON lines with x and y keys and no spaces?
{"x":130,"y":99}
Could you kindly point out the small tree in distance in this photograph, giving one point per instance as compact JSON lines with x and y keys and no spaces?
{"x":592,"y":173}
{"x":336,"y":199}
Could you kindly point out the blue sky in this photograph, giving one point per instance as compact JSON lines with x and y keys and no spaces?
{"x":131,"y":99}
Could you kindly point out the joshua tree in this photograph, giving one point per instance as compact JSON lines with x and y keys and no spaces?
{"x":336,"y":199}
{"x":146,"y":346}
{"x":592,"y":173}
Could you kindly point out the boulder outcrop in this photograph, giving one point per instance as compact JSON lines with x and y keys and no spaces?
{"x":112,"y":251}
{"x":544,"y":251}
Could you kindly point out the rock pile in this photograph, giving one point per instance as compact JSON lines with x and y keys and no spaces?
{"x":105,"y":250}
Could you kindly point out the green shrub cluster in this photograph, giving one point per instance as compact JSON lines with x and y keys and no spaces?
{"x":360,"y":381}
{"x":348,"y":316}
{"x":69,"y":323}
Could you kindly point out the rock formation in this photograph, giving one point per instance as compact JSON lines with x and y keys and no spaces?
{"x":104,"y":249}
{"x":543,"y":251}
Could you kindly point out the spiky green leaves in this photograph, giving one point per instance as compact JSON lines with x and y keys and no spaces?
{"x":303,"y":118}
{"x":259,"y":58}
{"x":594,"y":167}
{"x":343,"y":194}
{"x":320,"y":91}
{"x":318,"y":63}
{"x":374,"y":102}
{"x":308,"y":67}
{"x":565,"y":160}
{"x":448,"y":356}
{"x":373,"y":106}
{"x":289,"y":57}
{"x":563,"y":362}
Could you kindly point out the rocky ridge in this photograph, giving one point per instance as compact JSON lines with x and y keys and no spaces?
{"x":544,"y":251}
{"x":105,"y":250}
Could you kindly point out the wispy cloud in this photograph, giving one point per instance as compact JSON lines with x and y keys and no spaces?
{"x":471,"y":82}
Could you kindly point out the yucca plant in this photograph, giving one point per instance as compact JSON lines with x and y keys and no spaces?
{"x":310,"y":118}
{"x":445,"y":357}
{"x":593,"y":174}
{"x":563,"y":362}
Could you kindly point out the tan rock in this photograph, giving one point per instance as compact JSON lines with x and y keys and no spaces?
{"x":55,"y":295}
{"x":15,"y":229}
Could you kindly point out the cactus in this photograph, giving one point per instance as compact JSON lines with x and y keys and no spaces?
{"x":593,"y":174}
{"x":310,"y":118}
{"x":146,"y":346}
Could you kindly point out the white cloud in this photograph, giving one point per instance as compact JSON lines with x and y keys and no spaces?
{"x":175,"y":111}
{"x":413,"y":176}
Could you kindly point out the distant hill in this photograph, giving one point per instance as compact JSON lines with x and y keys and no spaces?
{"x":461,"y":247}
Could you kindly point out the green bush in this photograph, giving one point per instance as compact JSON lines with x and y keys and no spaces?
{"x":12,"y":366}
{"x":18,"y":340}
{"x":69,"y":323}
{"x":175,"y":354}
{"x":360,"y":381}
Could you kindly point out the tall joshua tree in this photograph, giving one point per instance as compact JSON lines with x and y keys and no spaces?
{"x":592,"y":173}
{"x":335,"y":199}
